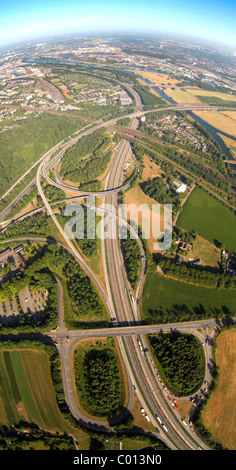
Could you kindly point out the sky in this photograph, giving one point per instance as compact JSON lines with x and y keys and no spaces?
{"x":209,"y":20}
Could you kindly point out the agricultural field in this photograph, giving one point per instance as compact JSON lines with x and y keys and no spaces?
{"x":26,"y":390}
{"x":167,"y":300}
{"x":181,"y":96}
{"x":219,"y":120}
{"x":210,"y":94}
{"x":209,"y":218}
{"x":230,"y":143}
{"x":158,"y":79}
{"x":219,"y":414}
{"x":197,"y":95}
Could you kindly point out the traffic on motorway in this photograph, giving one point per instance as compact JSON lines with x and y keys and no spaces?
{"x":123,"y":308}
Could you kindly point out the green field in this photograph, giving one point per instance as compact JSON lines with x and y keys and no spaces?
{"x":209,"y":218}
{"x":26,"y":390}
{"x":166,"y":300}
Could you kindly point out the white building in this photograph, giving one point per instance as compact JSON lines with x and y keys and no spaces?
{"x":181,"y":187}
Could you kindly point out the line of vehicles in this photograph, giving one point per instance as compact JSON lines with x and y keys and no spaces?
{"x":162,"y":424}
{"x":158,"y":418}
{"x":140,"y":347}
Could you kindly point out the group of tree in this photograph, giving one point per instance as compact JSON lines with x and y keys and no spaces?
{"x":93,"y":145}
{"x":132,"y":258}
{"x":90,"y":169}
{"x":84,"y":298}
{"x":82,"y":292}
{"x":194,"y":166}
{"x":30,"y":226}
{"x":148,"y":98}
{"x":85,"y":224}
{"x":162,"y":190}
{"x":24,"y":435}
{"x":52,"y":193}
{"x":22,"y":145}
{"x":198,"y":163}
{"x":40,"y":272}
{"x":199,"y":275}
{"x":98,"y":380}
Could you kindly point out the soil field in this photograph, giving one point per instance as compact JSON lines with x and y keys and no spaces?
{"x":146,"y":218}
{"x":151,"y":169}
{"x":219,"y":415}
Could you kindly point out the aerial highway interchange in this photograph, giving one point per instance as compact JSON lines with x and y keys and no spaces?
{"x":127,"y":326}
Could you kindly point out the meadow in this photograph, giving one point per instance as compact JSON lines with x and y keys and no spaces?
{"x":167,"y":300}
{"x":209,"y":218}
{"x":26,"y":390}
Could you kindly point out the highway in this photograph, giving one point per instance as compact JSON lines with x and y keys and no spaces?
{"x":127,"y":313}
{"x":123,"y":312}
{"x":65,"y":144}
{"x":62,"y":336}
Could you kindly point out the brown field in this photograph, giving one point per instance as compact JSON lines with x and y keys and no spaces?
{"x":231,"y":114}
{"x":231,"y":144}
{"x":158,"y":78}
{"x":139,"y":419}
{"x":206,"y":251}
{"x":191,"y":95}
{"x":137,"y":196}
{"x":64,"y":89}
{"x":216,"y":94}
{"x":181,"y":96}
{"x":151,"y":169}
{"x":219,"y":415}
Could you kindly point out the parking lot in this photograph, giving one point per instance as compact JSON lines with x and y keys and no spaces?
{"x":27,"y":301}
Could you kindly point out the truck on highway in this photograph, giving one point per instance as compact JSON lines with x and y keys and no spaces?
{"x":140,"y":346}
{"x":159,"y":419}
